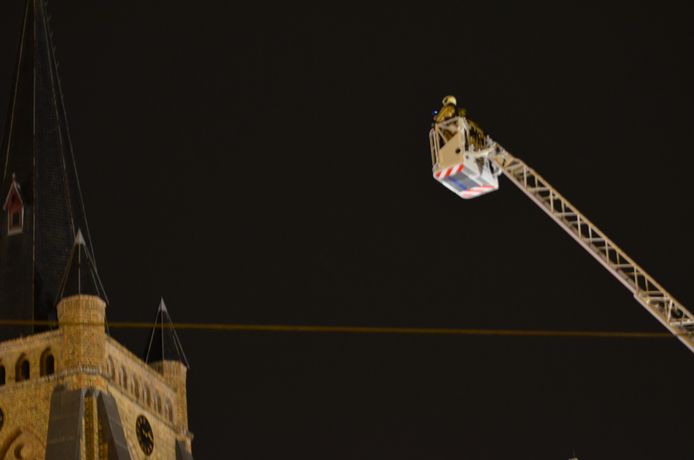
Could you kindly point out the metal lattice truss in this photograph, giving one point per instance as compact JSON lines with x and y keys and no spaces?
{"x":645,"y":289}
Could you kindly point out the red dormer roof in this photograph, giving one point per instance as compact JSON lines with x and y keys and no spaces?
{"x":14,"y":196}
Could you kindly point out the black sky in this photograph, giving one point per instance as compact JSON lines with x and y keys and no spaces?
{"x":258,"y":164}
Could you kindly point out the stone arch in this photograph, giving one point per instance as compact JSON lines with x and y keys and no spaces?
{"x":168,"y":410}
{"x":147,"y":393}
{"x":47,"y":362}
{"x":23,"y":445}
{"x":123,"y":378}
{"x":22,"y":370}
{"x":110,"y":369}
{"x":136,"y":388}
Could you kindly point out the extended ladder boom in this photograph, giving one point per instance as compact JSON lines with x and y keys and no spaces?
{"x":645,"y":289}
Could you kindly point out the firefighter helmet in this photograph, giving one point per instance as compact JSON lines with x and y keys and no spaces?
{"x":449,"y":100}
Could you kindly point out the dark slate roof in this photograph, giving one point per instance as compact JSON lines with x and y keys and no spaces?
{"x":163,"y":343}
{"x":37,"y":150}
{"x":112,"y":424}
{"x":65,"y":424}
{"x":80,"y":275}
{"x":181,"y":451}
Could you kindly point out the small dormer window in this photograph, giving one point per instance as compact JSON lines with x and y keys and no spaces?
{"x":16,"y":221}
{"x":14,"y":207}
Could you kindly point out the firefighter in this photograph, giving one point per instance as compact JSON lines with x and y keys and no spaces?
{"x":448,"y":110}
{"x":476,"y":136}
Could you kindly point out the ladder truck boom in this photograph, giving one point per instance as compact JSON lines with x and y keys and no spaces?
{"x":470,"y":170}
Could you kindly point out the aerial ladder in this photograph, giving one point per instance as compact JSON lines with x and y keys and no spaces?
{"x":470,"y":167}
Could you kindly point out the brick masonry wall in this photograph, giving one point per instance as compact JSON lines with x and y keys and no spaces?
{"x":147,"y":392}
{"x":85,"y":357}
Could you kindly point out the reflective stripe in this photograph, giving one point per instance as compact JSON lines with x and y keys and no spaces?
{"x":444,"y":173}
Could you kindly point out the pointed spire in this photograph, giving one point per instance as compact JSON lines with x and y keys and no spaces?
{"x":36,"y":157}
{"x":81,"y":277}
{"x":164,"y":344}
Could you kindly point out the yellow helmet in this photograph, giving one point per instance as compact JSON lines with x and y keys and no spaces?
{"x":449,"y":100}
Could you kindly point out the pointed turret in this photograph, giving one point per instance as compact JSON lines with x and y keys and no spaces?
{"x":163,"y":344}
{"x":80,"y":276}
{"x":38,"y":182}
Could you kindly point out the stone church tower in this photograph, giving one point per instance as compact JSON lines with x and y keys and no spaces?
{"x":71,"y":391}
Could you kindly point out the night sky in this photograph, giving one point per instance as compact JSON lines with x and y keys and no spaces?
{"x":270,"y":165}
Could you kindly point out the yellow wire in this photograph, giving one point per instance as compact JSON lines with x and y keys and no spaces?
{"x":359,"y":329}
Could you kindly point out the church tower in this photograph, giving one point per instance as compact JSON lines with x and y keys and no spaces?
{"x":42,"y":206}
{"x":70,"y":392}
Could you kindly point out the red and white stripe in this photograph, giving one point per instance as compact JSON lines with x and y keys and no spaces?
{"x":477,"y":191}
{"x":444,"y":173}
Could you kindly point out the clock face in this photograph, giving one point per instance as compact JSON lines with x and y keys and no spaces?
{"x":144,"y":434}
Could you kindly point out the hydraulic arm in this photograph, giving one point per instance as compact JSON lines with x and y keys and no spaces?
{"x":645,"y":289}
{"x":448,"y":142}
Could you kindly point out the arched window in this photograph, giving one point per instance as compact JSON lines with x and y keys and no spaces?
{"x":136,"y":388}
{"x":15,"y":221}
{"x":157,"y":404}
{"x":47,"y":363}
{"x":169,"y":411}
{"x":148,"y":399}
{"x":123,"y":378}
{"x":22,"y":370}
{"x":110,"y":369}
{"x":2,"y":374}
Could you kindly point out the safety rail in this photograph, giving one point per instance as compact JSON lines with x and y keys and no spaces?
{"x":677,"y":319}
{"x":440,"y":133}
